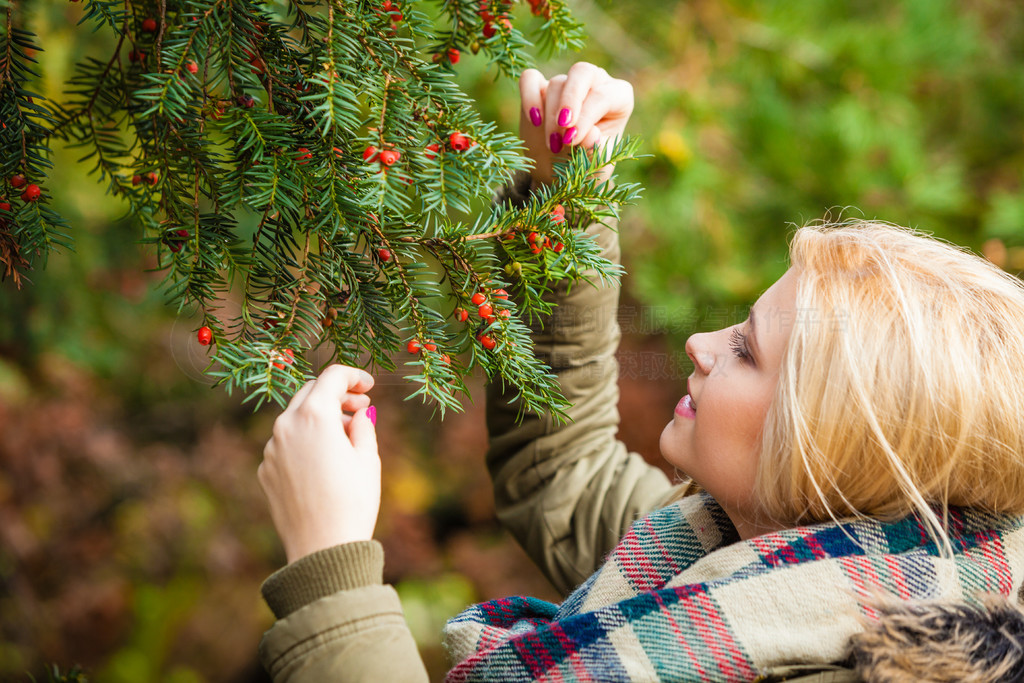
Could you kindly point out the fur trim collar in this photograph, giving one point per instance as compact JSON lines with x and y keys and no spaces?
{"x":942,"y":642}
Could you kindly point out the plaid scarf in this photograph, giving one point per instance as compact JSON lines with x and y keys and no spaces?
{"x":681,"y":598}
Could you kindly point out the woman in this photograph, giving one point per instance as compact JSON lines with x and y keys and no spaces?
{"x":856,"y":441}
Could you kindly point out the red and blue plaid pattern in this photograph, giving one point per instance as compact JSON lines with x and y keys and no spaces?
{"x":681,"y":598}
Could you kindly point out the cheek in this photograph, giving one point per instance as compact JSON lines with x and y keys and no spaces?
{"x":735,"y":415}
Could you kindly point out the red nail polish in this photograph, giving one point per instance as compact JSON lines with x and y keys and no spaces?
{"x":555,"y":142}
{"x":535,"y":117}
{"x":371,"y":413}
{"x":564,"y":116}
{"x":570,"y":133}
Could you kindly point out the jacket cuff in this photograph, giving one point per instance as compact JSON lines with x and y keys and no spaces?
{"x":323,"y":573}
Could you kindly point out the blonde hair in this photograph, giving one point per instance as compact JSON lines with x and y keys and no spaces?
{"x":902,"y":386}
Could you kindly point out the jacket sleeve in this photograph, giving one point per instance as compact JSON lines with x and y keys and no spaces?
{"x":569,"y":492}
{"x":337,"y":621}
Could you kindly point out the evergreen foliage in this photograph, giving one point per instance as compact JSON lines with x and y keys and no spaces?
{"x":316,"y":163}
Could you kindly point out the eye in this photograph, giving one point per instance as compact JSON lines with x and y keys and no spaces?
{"x":738,"y":344}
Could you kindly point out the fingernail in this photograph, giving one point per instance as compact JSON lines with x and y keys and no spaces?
{"x":535,"y":118}
{"x":564,"y":116}
{"x":569,"y":134}
{"x":371,"y":413}
{"x":555,"y":142}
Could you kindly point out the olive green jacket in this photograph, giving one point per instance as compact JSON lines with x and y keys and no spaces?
{"x":567,"y":492}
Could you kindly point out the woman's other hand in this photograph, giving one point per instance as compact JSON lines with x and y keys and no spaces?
{"x":584,"y":107}
{"x":320,"y":469}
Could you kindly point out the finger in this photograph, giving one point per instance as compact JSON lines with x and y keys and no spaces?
{"x":334,"y":383}
{"x":605,"y":109}
{"x":353,"y":402}
{"x":363,"y":434}
{"x":300,"y":395}
{"x":532,"y":85}
{"x":552,"y":132}
{"x":591,"y":139}
{"x":579,"y":83}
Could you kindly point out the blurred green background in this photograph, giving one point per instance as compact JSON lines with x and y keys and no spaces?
{"x":133,"y":534}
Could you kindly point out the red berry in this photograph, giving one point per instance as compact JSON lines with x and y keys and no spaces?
{"x":176,"y":245}
{"x":500,"y":294}
{"x":459,"y":142}
{"x":461,"y":315}
{"x":149,"y":25}
{"x":192,"y":67}
{"x":18,"y":180}
{"x":487,"y":342}
{"x":304,"y":156}
{"x":413,"y":346}
{"x":446,"y":359}
{"x":247,"y":101}
{"x":337,"y":152}
{"x":532,"y":238}
{"x":369,"y":154}
{"x":285,"y":356}
{"x":485,"y":310}
{"x":559,"y":209}
{"x":136,"y":56}
{"x":31,"y":193}
{"x":478,"y":299}
{"x":384,"y":254}
{"x":136,"y":179}
{"x":386,"y":5}
{"x":389,"y":156}
{"x":152,"y":178}
{"x":489,"y":29}
{"x":504,"y":313}
{"x":453,"y":55}
{"x":559,"y":247}
{"x":204,"y":335}
{"x":5,"y":206}
{"x":431,"y":150}
{"x":429,"y":347}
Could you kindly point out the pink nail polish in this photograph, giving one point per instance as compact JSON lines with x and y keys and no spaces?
{"x":555,"y":142}
{"x":371,"y":413}
{"x":564,"y":116}
{"x":570,"y":133}
{"x":535,"y":118}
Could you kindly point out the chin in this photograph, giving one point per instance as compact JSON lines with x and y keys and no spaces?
{"x":668,"y":444}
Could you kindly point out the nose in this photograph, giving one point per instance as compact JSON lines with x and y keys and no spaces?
{"x":698,"y":349}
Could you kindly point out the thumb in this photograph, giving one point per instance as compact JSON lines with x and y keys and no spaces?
{"x":362,"y":432}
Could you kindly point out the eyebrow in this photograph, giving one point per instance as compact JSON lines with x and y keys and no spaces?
{"x":752,"y":337}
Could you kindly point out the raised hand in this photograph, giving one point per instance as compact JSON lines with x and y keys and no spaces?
{"x":584,"y":107}
{"x":320,"y":469}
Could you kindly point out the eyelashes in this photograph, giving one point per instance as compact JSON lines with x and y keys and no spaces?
{"x":738,"y":344}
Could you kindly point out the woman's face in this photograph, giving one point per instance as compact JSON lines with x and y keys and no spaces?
{"x":715,"y":434}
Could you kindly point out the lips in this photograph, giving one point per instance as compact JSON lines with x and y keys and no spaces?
{"x":686,"y":408}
